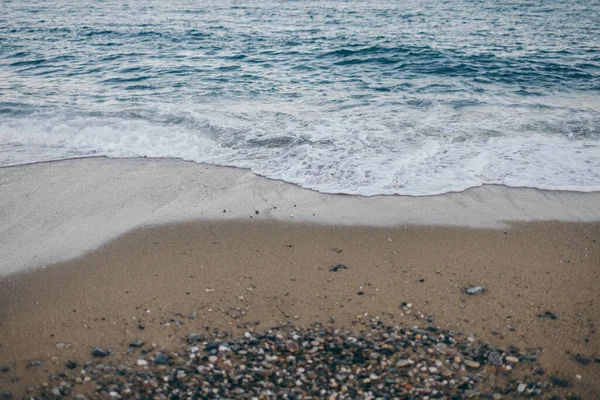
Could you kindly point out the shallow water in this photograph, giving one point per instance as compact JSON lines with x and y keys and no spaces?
{"x":414,"y":98}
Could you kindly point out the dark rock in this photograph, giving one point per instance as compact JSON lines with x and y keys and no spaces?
{"x":211,"y":346}
{"x":97,"y":352}
{"x":495,"y":358}
{"x":141,"y":327}
{"x":137,"y":343}
{"x":6,"y":395}
{"x":4,"y":369}
{"x":161,"y":359}
{"x":338,"y":267}
{"x":584,"y":360}
{"x":71,"y":364}
{"x":560,"y":382}
{"x":548,"y":314}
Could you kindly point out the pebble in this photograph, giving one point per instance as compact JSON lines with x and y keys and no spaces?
{"x":35,"y":363}
{"x":161,"y":359}
{"x":141,"y":362}
{"x":472,"y":364}
{"x":521,"y":388}
{"x":495,"y":358}
{"x":403,"y":363}
{"x":475,"y":290}
{"x":71,"y":364}
{"x":194,"y":337}
{"x":584,"y":360}
{"x":560,"y":382}
{"x":97,"y":352}
{"x":137,"y":343}
{"x":511,"y":359}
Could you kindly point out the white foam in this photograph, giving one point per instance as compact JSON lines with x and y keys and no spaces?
{"x":366,"y":151}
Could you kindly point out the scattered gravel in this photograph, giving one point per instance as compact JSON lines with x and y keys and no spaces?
{"x":372,"y":361}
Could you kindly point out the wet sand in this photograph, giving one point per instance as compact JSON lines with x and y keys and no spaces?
{"x":541,"y":284}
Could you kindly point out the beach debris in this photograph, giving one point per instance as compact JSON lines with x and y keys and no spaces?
{"x":338,"y":267}
{"x":475,"y":290}
{"x":97,"y":352}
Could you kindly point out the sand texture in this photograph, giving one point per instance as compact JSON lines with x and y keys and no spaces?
{"x":541,"y":293}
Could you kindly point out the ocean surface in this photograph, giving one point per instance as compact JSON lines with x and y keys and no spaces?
{"x":358,"y":97}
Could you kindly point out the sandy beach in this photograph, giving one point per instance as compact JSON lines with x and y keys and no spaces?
{"x":94,"y":250}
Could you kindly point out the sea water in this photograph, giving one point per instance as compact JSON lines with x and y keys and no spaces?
{"x":358,"y":97}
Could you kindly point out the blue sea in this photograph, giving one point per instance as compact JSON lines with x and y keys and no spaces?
{"x":357,"y":97}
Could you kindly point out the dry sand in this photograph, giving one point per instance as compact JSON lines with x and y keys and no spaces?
{"x":254,"y":273}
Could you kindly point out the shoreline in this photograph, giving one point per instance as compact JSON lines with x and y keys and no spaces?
{"x":60,"y":210}
{"x":540,"y":295}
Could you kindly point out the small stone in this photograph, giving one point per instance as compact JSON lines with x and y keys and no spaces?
{"x":100,"y":353}
{"x":472,"y":364}
{"x":71,"y":364}
{"x":475,"y":290}
{"x":511,"y":359}
{"x":265,"y":373}
{"x":560,"y":382}
{"x":292,"y":346}
{"x":496,"y":396}
{"x":521,"y":388}
{"x":495,"y":358}
{"x":113,"y":394}
{"x":194,"y":337}
{"x":161,"y":359}
{"x":137,"y":343}
{"x":35,"y":363}
{"x":141,"y":362}
{"x":403,"y":362}
{"x":584,"y":360}
{"x":60,"y":345}
{"x":470,"y":393}
{"x":213,"y":359}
